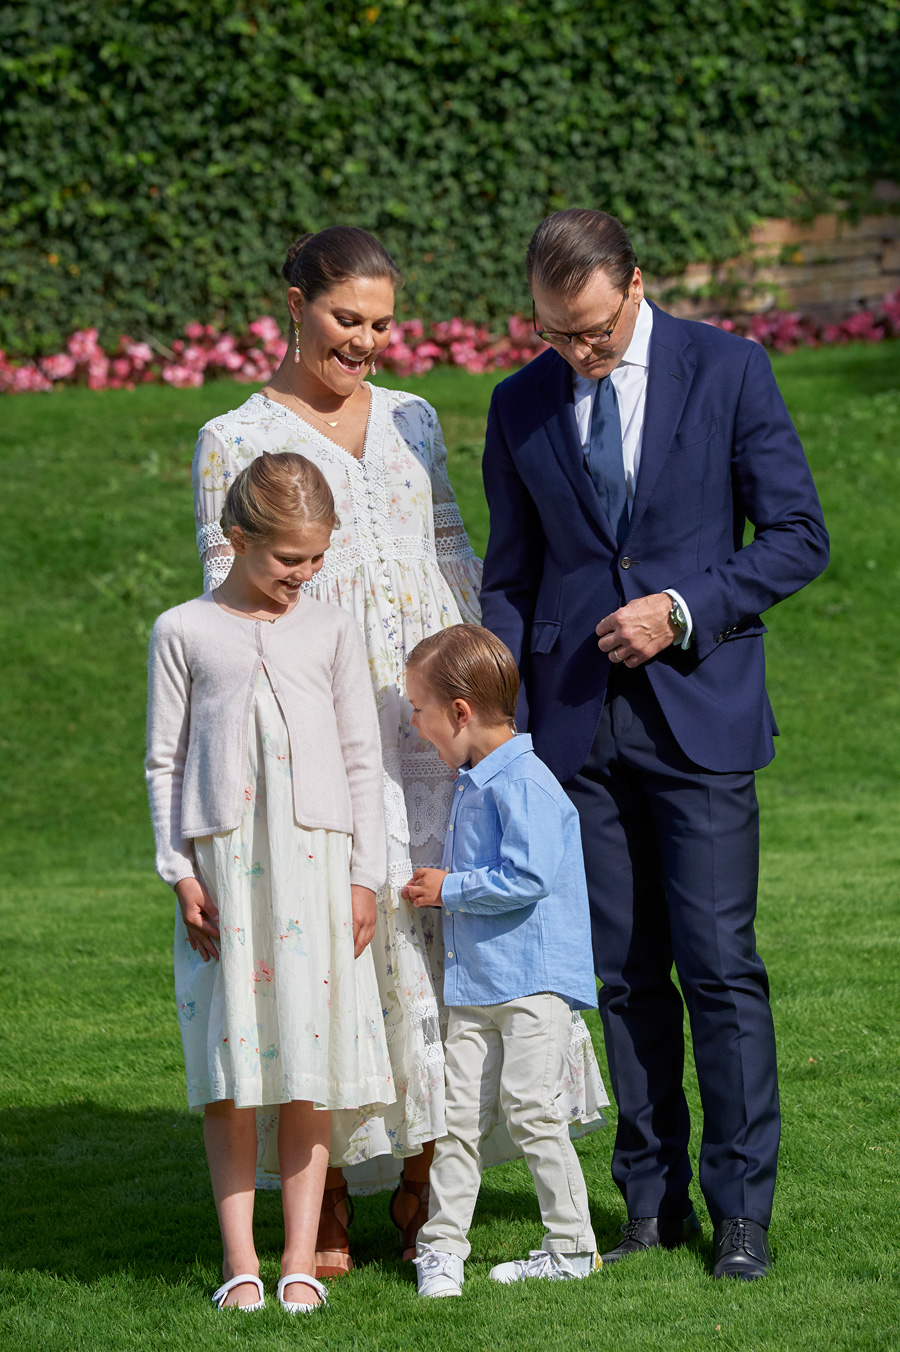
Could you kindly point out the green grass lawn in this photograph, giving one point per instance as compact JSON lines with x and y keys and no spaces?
{"x":108,"y":1234}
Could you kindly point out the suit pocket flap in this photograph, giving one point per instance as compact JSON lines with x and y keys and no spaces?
{"x":544,"y":634}
{"x":689,"y":436}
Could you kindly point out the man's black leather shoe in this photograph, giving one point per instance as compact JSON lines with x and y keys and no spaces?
{"x":742,"y":1250}
{"x":651,"y":1232}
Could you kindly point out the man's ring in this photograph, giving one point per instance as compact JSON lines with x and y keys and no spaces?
{"x":616,"y":653}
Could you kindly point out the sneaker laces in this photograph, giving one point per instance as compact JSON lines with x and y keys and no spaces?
{"x":432,"y":1261}
{"x":540,"y":1263}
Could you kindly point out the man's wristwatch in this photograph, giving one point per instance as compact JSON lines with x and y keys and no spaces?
{"x":677,"y":617}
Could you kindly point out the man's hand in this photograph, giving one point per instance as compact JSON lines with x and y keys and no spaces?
{"x":363,"y":904}
{"x":424,"y":887}
{"x":200,"y":915}
{"x":638,"y":631}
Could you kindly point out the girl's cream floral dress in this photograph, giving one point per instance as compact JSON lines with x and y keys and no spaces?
{"x":401,"y":563}
{"x":287,"y":1012}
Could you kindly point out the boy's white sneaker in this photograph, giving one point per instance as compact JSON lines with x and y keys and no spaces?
{"x":438,"y":1273}
{"x":555,"y":1267}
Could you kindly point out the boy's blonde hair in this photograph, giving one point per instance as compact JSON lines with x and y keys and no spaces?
{"x":278,"y":493}
{"x":470,"y":663}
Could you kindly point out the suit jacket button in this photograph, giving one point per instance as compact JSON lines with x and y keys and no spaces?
{"x":625,"y":563}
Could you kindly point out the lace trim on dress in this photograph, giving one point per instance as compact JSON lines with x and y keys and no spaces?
{"x":394,"y":808}
{"x":446,"y":514}
{"x":341,"y":562}
{"x":422,"y":765}
{"x":209,"y":535}
{"x":451,"y":541}
{"x":427,"y":811}
{"x":215,"y":570}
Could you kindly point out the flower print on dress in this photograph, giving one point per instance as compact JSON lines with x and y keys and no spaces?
{"x":289,"y":933}
{"x":262,"y":978}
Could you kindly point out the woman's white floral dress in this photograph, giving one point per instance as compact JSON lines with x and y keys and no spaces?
{"x":401,"y":563}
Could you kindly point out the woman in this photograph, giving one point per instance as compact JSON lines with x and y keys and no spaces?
{"x":401,"y":563}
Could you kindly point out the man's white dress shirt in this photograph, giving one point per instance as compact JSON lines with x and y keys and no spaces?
{"x":630,"y":381}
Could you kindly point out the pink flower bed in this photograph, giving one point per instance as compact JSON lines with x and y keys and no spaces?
{"x":205,"y":352}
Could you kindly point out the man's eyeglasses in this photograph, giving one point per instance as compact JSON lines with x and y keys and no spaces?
{"x":595,"y":338}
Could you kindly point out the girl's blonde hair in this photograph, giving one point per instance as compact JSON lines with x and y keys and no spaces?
{"x":470,"y":663}
{"x":277,"y":493}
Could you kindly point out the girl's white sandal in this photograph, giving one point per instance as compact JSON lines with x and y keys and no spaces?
{"x":218,"y":1297}
{"x":296,"y":1306}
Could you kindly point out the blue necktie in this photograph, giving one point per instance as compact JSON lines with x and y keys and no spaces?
{"x":605,"y":457}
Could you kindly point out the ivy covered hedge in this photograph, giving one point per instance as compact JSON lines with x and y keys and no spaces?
{"x":156,"y":156}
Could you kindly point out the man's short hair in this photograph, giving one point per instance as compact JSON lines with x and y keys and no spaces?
{"x":570,"y":246}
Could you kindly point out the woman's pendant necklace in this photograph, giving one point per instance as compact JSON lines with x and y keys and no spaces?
{"x":318,"y":416}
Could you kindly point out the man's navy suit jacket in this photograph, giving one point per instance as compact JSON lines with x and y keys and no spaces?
{"x":719,"y":449}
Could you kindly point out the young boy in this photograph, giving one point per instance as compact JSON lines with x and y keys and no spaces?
{"x":517,"y":957}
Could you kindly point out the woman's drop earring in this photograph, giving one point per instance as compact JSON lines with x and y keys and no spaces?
{"x":297,"y":328}
{"x":373,"y":370}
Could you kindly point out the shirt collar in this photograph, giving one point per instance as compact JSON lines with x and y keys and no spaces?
{"x":637,"y":352}
{"x":497,"y":760}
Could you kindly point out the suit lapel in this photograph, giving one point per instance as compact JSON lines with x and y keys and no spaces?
{"x":669,"y":379}
{"x":558,"y":421}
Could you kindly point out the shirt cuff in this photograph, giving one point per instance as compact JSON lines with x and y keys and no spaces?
{"x":452,"y":891}
{"x":685,"y":640}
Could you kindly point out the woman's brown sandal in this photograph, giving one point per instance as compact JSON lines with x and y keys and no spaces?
{"x":332,"y":1242}
{"x":411,"y":1229}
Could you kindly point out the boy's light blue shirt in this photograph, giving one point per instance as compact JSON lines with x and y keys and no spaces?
{"x":516,"y":918}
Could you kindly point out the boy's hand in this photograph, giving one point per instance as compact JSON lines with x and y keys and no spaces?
{"x":200,"y":915}
{"x":363,"y":902}
{"x":424,"y":887}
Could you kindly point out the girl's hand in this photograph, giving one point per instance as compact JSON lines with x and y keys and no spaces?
{"x":424,"y":887}
{"x":363,"y":902}
{"x":200,"y":915}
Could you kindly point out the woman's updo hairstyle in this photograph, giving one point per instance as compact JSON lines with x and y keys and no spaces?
{"x":316,"y":263}
{"x":278,"y":493}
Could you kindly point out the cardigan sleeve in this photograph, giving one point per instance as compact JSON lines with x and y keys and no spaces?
{"x":168,"y":724}
{"x":357,"y":722}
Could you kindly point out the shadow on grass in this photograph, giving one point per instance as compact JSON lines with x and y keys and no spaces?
{"x":90,"y":1191}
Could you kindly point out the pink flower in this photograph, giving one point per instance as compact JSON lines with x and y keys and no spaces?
{"x":58,"y":367}
{"x":182,"y":377}
{"x":276,"y":348}
{"x":140,"y":353}
{"x":28,"y":380}
{"x":194,"y":330}
{"x":195,"y":357}
{"x":266,"y":328}
{"x":98,"y":371}
{"x":83,"y":344}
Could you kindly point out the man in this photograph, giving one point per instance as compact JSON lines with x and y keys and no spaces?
{"x":620,"y":468}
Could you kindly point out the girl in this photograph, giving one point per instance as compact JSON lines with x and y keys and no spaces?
{"x":264,"y":775}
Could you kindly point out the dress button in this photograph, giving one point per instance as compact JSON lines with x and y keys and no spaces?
{"x":625,"y":563}
{"x":450,"y":953}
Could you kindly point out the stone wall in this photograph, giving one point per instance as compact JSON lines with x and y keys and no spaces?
{"x":827,"y":268}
